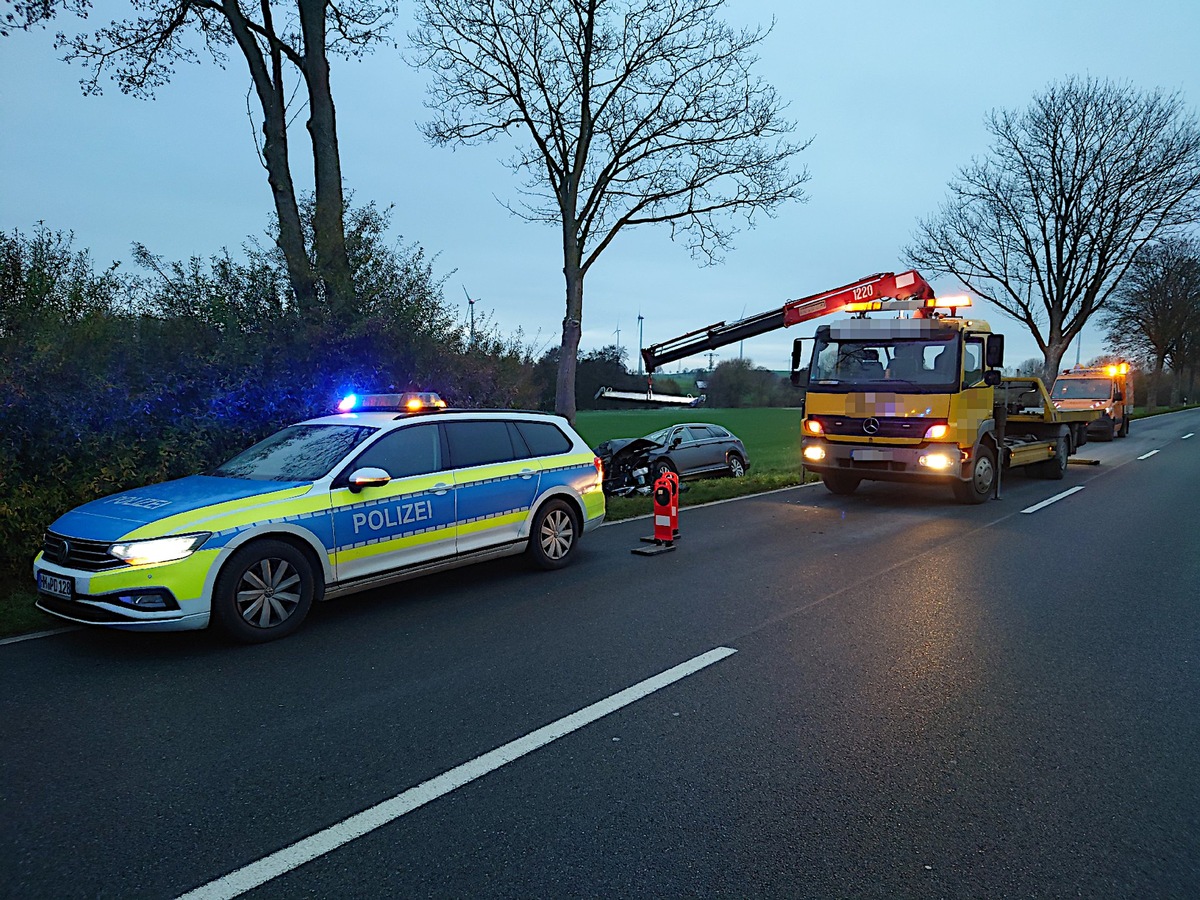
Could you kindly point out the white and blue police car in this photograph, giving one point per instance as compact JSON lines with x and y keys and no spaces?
{"x":391,"y":487}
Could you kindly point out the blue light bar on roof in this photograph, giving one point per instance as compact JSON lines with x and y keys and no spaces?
{"x":410,"y":401}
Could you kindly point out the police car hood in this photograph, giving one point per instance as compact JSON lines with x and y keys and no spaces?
{"x":111,"y":518}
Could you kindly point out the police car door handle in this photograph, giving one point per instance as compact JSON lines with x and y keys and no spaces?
{"x":527,"y":474}
{"x":440,"y":489}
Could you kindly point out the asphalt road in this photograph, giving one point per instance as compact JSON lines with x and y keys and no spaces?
{"x":926,"y":699}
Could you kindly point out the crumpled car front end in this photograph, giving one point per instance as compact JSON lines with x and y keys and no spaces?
{"x":626,"y":465}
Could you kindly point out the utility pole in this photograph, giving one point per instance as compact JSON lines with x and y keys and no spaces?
{"x":641,"y":319}
{"x":711,"y":356}
{"x":471,"y":307}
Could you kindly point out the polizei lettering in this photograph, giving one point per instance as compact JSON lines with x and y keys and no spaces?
{"x":139,"y":502}
{"x":391,"y":517}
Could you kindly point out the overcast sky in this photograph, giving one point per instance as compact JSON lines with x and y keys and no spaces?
{"x":893,"y":94}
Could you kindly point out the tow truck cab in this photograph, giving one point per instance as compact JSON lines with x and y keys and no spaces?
{"x":923,"y":400}
{"x":1107,"y":388}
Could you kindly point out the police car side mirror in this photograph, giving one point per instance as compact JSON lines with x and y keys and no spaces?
{"x":991,"y":378}
{"x":367,"y":477}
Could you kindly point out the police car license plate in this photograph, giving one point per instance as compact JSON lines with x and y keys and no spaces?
{"x":871,"y":454}
{"x":56,"y":585}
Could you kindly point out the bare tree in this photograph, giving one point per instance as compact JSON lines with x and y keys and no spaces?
{"x":633,"y":112}
{"x":1154,"y":315}
{"x":143,"y":53}
{"x":1047,"y":225}
{"x":23,"y":15}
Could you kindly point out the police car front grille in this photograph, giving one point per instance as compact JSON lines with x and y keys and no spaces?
{"x":74,"y":553}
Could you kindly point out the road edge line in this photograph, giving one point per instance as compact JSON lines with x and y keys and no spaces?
{"x":329,"y":839}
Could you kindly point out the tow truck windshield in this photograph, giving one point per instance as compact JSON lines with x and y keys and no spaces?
{"x":922,"y":366}
{"x":1082,"y":389}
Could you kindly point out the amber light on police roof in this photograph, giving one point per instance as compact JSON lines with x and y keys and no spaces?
{"x":411,"y":401}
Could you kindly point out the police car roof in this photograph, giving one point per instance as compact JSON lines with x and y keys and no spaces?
{"x":383,"y":418}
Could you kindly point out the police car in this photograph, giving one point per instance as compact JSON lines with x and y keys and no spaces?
{"x":391,"y":487}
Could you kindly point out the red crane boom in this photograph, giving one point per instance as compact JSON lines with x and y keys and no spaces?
{"x":882,"y":285}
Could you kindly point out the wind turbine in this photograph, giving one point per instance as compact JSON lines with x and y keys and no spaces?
{"x":471,"y":307}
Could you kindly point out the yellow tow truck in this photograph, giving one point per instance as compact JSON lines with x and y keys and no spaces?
{"x":916,"y":399}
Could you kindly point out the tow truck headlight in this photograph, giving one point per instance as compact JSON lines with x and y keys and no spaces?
{"x":937,"y":432}
{"x":814,"y":452}
{"x":159,"y":550}
{"x":812,"y":426}
{"x":936,"y":460}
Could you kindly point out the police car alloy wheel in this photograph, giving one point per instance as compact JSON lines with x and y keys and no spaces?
{"x":554,"y":535}
{"x":264,"y":592}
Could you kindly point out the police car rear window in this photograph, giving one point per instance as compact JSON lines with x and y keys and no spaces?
{"x":543,"y":438}
{"x":478,"y":443}
{"x":298,"y":453}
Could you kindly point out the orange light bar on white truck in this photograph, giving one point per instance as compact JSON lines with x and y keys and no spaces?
{"x":952,"y":302}
{"x":908,"y":303}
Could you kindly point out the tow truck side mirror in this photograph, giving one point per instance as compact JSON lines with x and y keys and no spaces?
{"x":797,"y":356}
{"x":995,"y":351}
{"x":991,"y":377}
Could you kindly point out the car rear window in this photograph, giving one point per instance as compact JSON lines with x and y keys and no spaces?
{"x":479,"y":443}
{"x":543,"y":438}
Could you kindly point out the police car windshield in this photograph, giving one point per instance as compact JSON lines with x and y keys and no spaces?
{"x":1082,"y":389}
{"x":298,"y":453}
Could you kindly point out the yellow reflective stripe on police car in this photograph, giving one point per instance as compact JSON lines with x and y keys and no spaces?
{"x":404,"y":522}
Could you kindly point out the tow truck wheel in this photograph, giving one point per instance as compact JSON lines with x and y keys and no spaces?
{"x":1055,"y":468}
{"x":1109,"y":432}
{"x":263,"y":592}
{"x":1124,"y":431}
{"x":840,"y":483}
{"x":979,"y":486}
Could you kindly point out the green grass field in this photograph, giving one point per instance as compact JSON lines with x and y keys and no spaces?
{"x":771,"y":436}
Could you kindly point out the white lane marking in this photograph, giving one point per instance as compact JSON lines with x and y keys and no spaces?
{"x":1054,"y":499}
{"x":1147,"y":455}
{"x":39,"y":634}
{"x":282,"y":861}
{"x":1188,"y":435}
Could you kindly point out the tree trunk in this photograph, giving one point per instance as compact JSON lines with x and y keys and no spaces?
{"x":564,"y":398}
{"x":268,"y":85}
{"x":1053,"y":355}
{"x":329,"y":227}
{"x":1152,"y":394}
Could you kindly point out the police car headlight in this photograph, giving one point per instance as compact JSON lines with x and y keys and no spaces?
{"x":159,"y":550}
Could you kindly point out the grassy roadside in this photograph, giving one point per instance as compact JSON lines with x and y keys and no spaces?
{"x":1140,"y":412}
{"x":771,"y":436}
{"x":18,"y":615}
